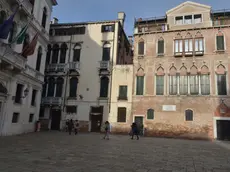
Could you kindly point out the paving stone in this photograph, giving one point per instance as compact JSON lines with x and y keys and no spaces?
{"x":59,"y":152}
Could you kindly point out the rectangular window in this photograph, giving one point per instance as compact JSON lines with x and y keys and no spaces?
{"x":197,"y":18}
{"x":140,"y":85}
{"x":33,"y":100}
{"x":159,"y":85}
{"x":183,"y":85}
{"x":179,"y":20}
{"x":15,"y":118}
{"x":178,"y":46}
{"x":31,"y":118}
{"x":188,"y":19}
{"x":141,"y":48}
{"x":123,"y":92}
{"x":220,"y":43}
{"x":106,"y":54}
{"x":18,"y":95}
{"x":221,"y":84}
{"x":107,"y":28}
{"x":205,"y":84}
{"x":121,"y":114}
{"x":188,"y":45}
{"x":160,"y":47}
{"x":71,"y":109}
{"x":173,"y":85}
{"x":194,"y":84}
{"x":199,"y":44}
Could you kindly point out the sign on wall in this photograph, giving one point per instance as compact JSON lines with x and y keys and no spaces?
{"x":169,"y":108}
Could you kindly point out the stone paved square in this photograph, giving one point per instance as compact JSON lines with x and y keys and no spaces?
{"x":59,"y":152}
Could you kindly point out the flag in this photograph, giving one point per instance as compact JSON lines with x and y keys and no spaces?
{"x":7,"y":25}
{"x":21,"y":36}
{"x":29,"y":49}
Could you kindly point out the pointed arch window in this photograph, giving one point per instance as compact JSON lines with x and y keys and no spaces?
{"x":106,"y":52}
{"x":188,"y":115}
{"x":160,"y":81}
{"x":59,"y":87}
{"x":48,"y":54}
{"x":183,"y":81}
{"x":51,"y":87}
{"x":44,"y":17}
{"x":150,"y":114}
{"x":173,"y":81}
{"x":73,"y":87}
{"x":141,"y":47}
{"x":194,"y":81}
{"x":77,"y":53}
{"x":55,"y":54}
{"x":104,"y":87}
{"x":221,"y":80}
{"x":2,"y":16}
{"x":205,"y":81}
{"x":39,"y":58}
{"x":63,"y":53}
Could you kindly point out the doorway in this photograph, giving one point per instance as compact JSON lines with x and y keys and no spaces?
{"x":223,"y":129}
{"x":55,"y":119}
{"x":96,"y":116}
{"x":139,"y":120}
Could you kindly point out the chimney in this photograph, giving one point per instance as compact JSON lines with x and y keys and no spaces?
{"x":121,"y":17}
{"x":54,"y":21}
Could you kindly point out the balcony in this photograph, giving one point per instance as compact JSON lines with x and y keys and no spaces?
{"x":33,"y":73}
{"x":56,"y":68}
{"x":178,"y":54}
{"x":26,"y":6}
{"x":188,"y":53}
{"x":199,"y":53}
{"x":52,"y":100}
{"x":11,"y":59}
{"x":74,"y":66}
{"x":104,"y":67}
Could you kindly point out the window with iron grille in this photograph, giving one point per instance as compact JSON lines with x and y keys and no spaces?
{"x":121,"y":114}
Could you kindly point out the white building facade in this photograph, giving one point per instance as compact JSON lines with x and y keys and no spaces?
{"x":21,"y":78}
{"x":79,"y":72}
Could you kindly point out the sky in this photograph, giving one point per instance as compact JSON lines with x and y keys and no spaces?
{"x":98,"y":10}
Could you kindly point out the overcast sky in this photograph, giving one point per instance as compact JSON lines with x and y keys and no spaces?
{"x":96,"y":10}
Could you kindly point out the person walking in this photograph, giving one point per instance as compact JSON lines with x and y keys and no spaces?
{"x":107,"y":130}
{"x":76,"y":127}
{"x":66,"y":125}
{"x":135,"y":130}
{"x":70,"y":126}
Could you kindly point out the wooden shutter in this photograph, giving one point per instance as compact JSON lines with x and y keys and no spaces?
{"x":161,"y":47}
{"x":220,"y":42}
{"x":140,"y":85}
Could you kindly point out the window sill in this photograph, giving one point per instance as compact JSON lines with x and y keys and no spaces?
{"x":160,"y":55}
{"x":103,"y":98}
{"x":141,"y":56}
{"x":122,"y":98}
{"x":199,"y":53}
{"x":220,"y":51}
{"x":188,"y":54}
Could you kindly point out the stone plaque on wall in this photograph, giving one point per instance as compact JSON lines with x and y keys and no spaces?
{"x":169,"y":108}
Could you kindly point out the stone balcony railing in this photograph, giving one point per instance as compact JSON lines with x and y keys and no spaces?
{"x":52,"y":100}
{"x":73,"y":66}
{"x":56,"y":68}
{"x":33,"y":73}
{"x":105,"y":65}
{"x":26,"y":6}
{"x":12,"y":58}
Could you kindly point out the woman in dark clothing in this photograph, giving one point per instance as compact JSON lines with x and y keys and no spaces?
{"x":135,"y":130}
{"x":70,"y":126}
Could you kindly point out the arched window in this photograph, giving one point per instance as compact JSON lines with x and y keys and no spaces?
{"x":183,"y":81}
{"x":104,"y":86}
{"x":221,"y":80}
{"x":141,"y":47}
{"x":189,"y":115}
{"x":13,"y":32}
{"x":51,"y":86}
{"x":173,"y":84}
{"x":150,"y":114}
{"x":39,"y":58}
{"x":77,"y":53}
{"x":55,"y":53}
{"x":48,"y":54}
{"x":63,"y":53}
{"x":2,"y":16}
{"x":59,"y":87}
{"x":44,"y":17}
{"x":205,"y":81}
{"x":73,"y":87}
{"x":106,"y":52}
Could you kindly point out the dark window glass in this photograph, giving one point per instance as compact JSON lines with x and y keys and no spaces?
{"x":220,"y":42}
{"x":140,"y":85}
{"x":221,"y":84}
{"x":33,"y":100}
{"x":121,"y":114}
{"x":123,"y":92}
{"x":39,"y":58}
{"x":104,"y":87}
{"x":18,"y":95}
{"x":15,"y":118}
{"x":150,"y":114}
{"x":189,"y":115}
{"x":31,"y":118}
{"x":73,"y":87}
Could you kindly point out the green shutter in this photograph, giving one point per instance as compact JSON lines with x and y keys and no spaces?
{"x":161,"y":47}
{"x":220,"y":42}
{"x":140,"y":85}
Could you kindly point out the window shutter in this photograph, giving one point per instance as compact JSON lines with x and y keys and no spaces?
{"x":140,"y":85}
{"x":141,"y":48}
{"x":220,"y":42}
{"x":161,"y":47}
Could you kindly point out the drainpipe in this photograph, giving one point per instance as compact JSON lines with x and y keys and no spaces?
{"x":111,"y":78}
{"x":67,"y":75}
